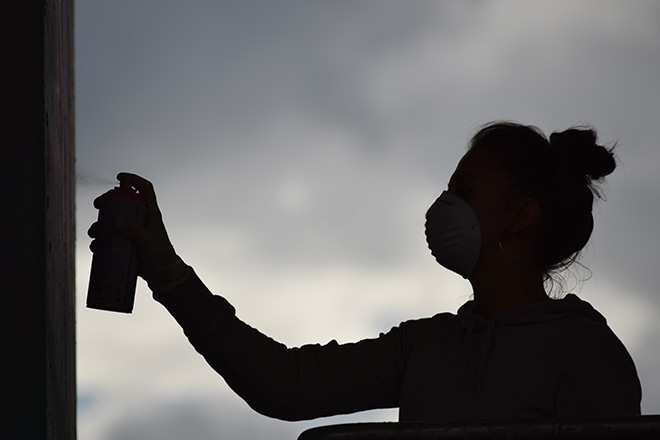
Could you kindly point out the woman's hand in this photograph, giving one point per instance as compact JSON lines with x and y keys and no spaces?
{"x":158,"y":263}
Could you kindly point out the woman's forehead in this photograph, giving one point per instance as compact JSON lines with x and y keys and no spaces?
{"x":482,"y":165}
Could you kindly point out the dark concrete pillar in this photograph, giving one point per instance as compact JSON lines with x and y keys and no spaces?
{"x":37,"y":196}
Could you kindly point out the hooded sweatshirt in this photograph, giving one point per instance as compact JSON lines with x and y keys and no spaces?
{"x":556,"y":359}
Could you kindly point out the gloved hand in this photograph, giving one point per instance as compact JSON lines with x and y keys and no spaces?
{"x":158,"y":263}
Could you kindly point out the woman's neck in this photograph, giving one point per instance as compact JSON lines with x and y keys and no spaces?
{"x":504,"y":290}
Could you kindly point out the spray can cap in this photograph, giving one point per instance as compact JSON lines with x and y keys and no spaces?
{"x":125,"y":191}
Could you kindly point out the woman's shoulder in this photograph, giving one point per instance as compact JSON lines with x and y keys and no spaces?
{"x":429,"y":331}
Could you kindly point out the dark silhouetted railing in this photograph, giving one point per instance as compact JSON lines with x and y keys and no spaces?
{"x":619,"y":428}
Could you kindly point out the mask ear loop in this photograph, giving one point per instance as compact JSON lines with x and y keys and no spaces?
{"x":495,"y":209}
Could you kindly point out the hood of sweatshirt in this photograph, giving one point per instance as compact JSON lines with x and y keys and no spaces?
{"x":480,"y":332}
{"x":544,"y":311}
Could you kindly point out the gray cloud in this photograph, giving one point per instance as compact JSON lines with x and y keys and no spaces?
{"x":289,"y":137}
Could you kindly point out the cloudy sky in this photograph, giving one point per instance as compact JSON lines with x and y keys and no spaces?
{"x":295,"y":147}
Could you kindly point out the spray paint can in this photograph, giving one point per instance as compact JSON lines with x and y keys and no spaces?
{"x":113,"y":276}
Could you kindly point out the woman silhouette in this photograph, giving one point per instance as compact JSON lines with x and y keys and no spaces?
{"x":516,"y":211}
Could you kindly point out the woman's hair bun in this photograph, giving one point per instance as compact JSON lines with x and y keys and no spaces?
{"x":581,"y":145}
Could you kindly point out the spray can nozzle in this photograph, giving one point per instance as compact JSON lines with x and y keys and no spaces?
{"x":125,"y":185}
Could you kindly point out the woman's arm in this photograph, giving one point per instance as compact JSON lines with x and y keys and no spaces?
{"x":287,"y":383}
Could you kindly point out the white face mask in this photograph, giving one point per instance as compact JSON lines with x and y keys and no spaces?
{"x":453,"y":234}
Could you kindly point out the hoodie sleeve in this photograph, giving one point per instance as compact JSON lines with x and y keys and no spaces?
{"x":602,"y":382}
{"x":287,"y":383}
